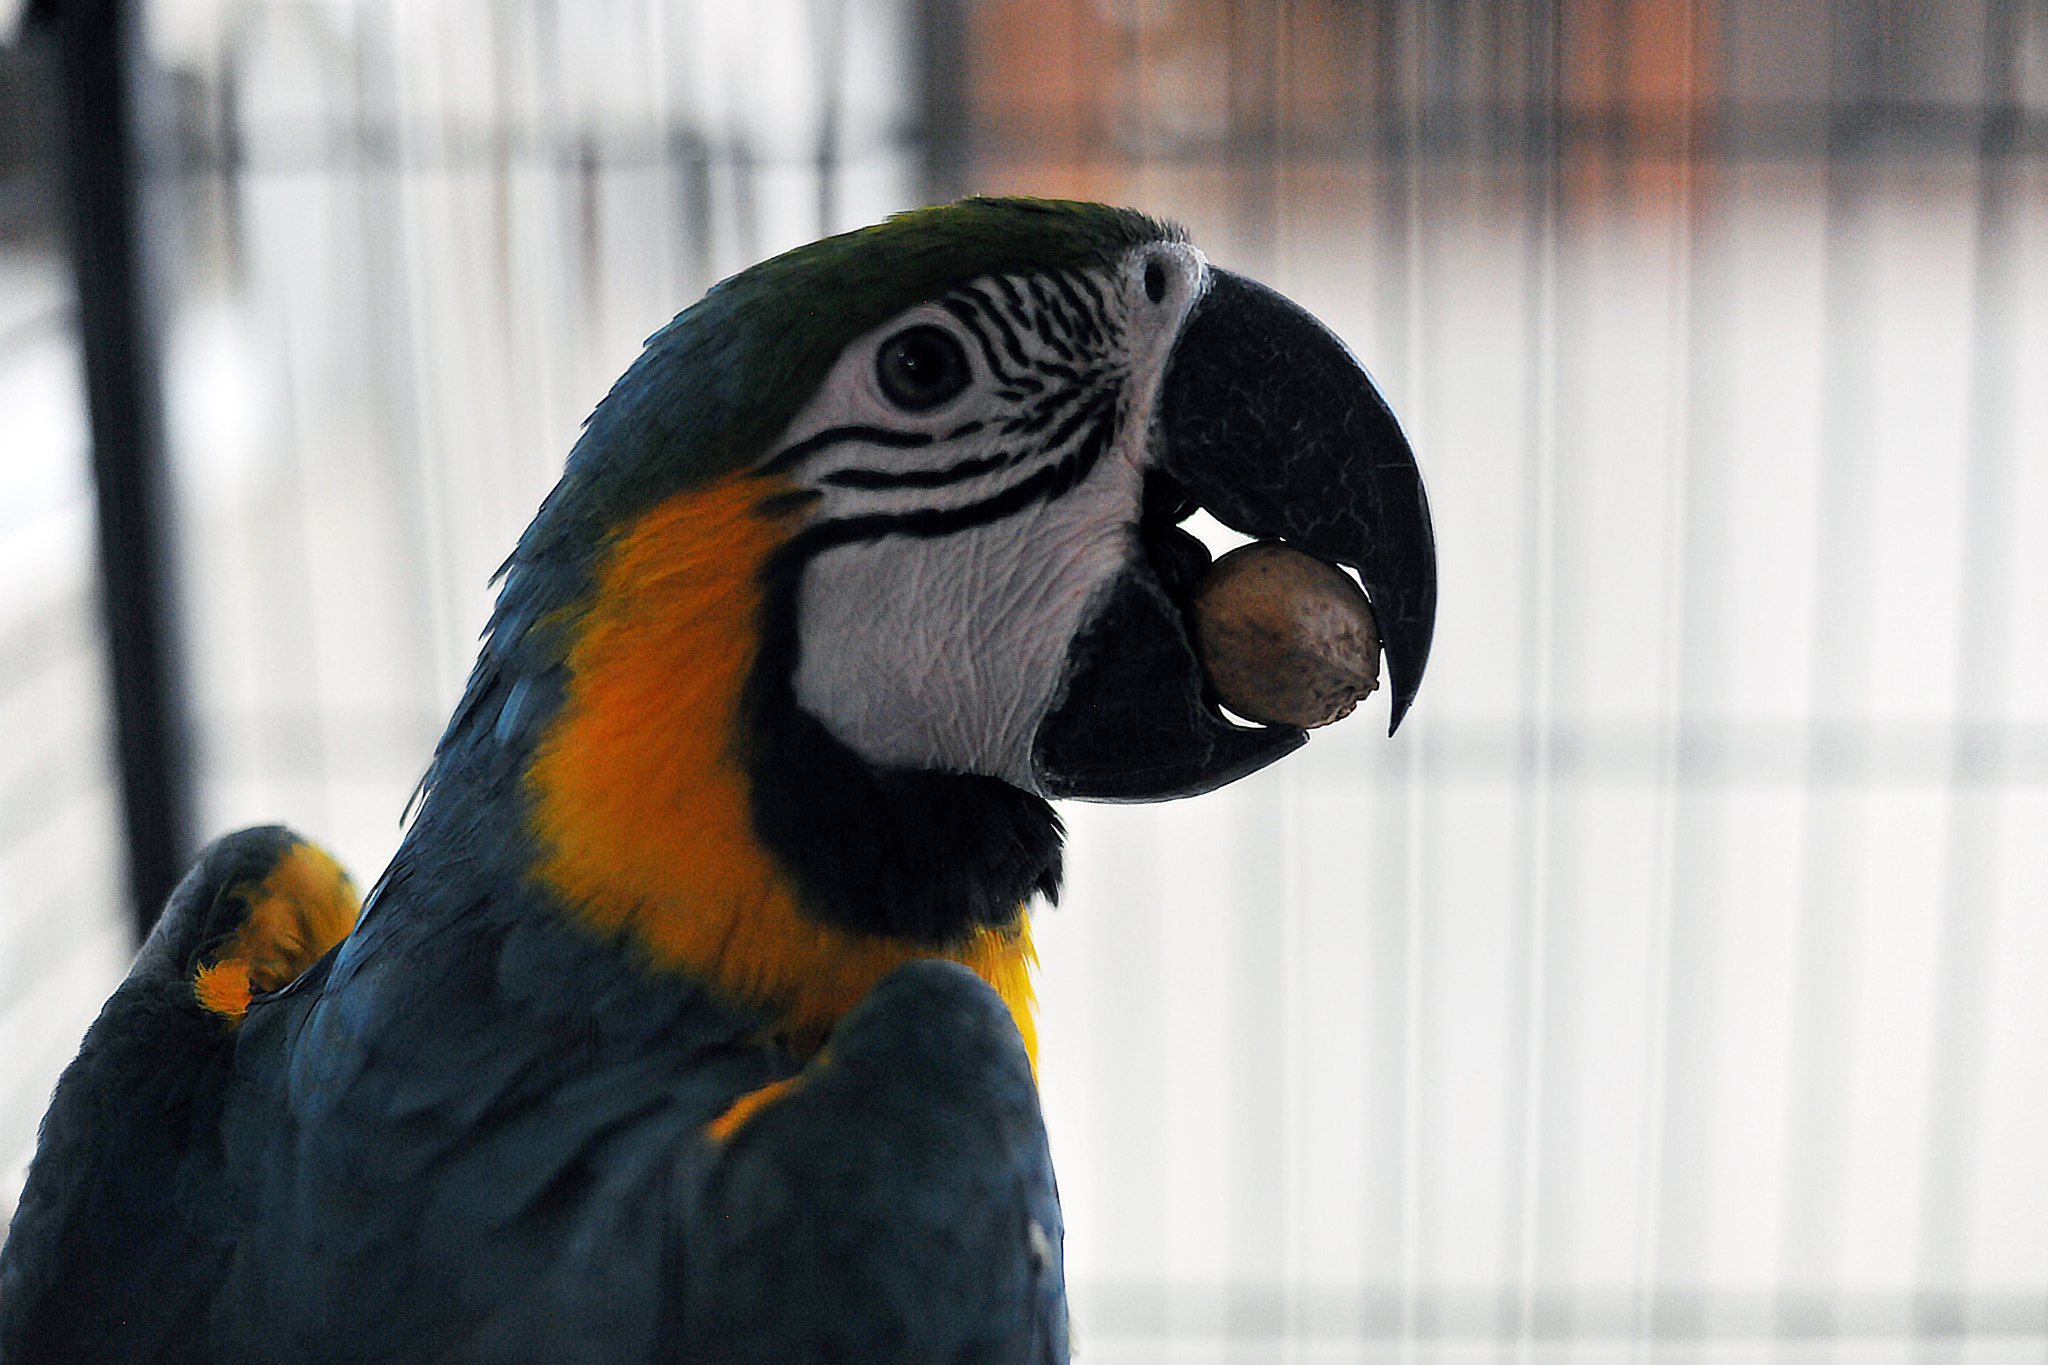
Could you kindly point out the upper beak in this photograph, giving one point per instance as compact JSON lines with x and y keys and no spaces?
{"x":1268,"y":422}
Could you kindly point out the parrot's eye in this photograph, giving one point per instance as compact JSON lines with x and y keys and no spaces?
{"x":921,"y":368}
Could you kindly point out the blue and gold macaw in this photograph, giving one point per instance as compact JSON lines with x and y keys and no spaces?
{"x":692,"y":1020}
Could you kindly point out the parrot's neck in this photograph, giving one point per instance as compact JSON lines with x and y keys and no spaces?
{"x":641,"y":793}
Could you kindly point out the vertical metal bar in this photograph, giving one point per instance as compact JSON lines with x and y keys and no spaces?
{"x":1386,"y":112}
{"x":1551,"y":329}
{"x":1677,"y":1104}
{"x":1950,"y":1190}
{"x":1679,"y":1252}
{"x":1832,"y":883}
{"x":1409,"y":55}
{"x":945,"y":134}
{"x":828,"y":36}
{"x":96,"y":60}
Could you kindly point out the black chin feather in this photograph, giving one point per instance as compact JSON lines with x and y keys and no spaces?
{"x":925,"y":856}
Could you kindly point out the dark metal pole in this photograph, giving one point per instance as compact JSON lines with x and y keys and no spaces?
{"x":96,"y":57}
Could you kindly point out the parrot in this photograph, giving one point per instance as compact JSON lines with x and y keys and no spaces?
{"x":693,"y":1018}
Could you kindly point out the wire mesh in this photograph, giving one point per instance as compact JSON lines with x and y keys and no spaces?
{"x":1667,"y":988}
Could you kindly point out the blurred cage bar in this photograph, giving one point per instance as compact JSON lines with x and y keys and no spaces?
{"x":1669,"y":988}
{"x":65,"y":934}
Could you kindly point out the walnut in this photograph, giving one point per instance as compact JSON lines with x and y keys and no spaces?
{"x":1285,"y":638}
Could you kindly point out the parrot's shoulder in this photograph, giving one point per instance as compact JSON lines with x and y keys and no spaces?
{"x":467,"y":1129}
{"x":896,"y":1202}
{"x":121,"y":1229}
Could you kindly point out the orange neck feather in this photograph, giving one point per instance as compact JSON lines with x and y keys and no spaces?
{"x":642,"y":802}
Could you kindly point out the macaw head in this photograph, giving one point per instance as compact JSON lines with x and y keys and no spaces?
{"x":878,"y":548}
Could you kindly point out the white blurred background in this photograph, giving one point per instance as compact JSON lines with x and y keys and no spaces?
{"x":1670,"y":988}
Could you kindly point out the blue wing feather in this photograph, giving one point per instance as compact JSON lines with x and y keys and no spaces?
{"x":122,"y":1233}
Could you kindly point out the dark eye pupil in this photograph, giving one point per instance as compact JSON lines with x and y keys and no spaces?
{"x":921,"y":368}
{"x":1155,"y":281}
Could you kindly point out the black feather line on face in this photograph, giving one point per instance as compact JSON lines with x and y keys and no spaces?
{"x":1041,"y":485}
{"x":910,"y":854}
{"x":880,"y":479}
{"x":791,"y":456}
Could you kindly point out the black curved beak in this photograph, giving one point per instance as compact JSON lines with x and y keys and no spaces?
{"x":1268,"y":422}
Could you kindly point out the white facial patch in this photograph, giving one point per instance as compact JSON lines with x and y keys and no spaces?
{"x":977,"y":531}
